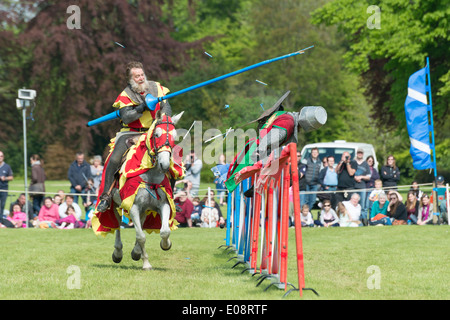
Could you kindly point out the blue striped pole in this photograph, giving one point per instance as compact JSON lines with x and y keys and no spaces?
{"x":151,"y":101}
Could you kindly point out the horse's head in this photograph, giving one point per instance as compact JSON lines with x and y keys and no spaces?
{"x":163,"y":139}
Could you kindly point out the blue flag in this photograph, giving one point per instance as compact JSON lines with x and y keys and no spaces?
{"x":416,"y":110}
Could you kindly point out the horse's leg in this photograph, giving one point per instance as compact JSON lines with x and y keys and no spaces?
{"x":117,"y":254}
{"x":139,"y":248}
{"x":165,"y":243}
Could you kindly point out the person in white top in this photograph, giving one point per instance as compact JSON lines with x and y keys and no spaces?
{"x":69,"y":202}
{"x":353,"y":208}
{"x":328,"y":217}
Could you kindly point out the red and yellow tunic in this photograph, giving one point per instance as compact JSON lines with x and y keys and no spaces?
{"x":145,"y":121}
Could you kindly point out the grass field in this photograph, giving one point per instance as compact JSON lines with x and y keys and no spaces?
{"x":412,"y":262}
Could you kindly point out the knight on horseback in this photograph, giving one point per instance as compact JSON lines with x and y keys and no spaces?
{"x":135,"y":118}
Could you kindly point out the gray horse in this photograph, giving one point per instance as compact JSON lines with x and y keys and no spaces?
{"x":163,"y":137}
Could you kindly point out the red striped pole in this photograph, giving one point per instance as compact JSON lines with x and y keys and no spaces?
{"x":285,"y":225}
{"x":297,"y":219}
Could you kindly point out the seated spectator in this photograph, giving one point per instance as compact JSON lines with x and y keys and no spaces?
{"x":328,"y":217}
{"x":17,"y":218}
{"x":21,"y":200}
{"x":379,"y":214}
{"x":70,"y":221}
{"x":210,"y":214}
{"x":69,"y":201}
{"x":196,"y":212}
{"x":354,"y":209}
{"x":216,"y":205}
{"x":306,"y":217}
{"x":397,"y":210}
{"x":183,"y":216}
{"x":57,"y":199}
{"x":344,"y":218}
{"x":48,"y":214}
{"x":412,"y":208}
{"x":425,"y":211}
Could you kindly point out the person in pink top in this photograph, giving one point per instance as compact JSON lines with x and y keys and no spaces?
{"x":48,"y":214}
{"x":17,"y":217}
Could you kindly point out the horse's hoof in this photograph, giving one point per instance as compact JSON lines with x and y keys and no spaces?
{"x":135,"y":256}
{"x":166,"y":247}
{"x":116,"y":259}
{"x":147,"y":268}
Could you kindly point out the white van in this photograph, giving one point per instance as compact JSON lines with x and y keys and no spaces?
{"x":336,"y":149}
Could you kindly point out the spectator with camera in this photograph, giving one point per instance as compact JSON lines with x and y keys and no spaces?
{"x":346,"y":170}
{"x":193,"y":167}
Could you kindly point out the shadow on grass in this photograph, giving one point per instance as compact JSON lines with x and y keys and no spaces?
{"x":125,"y":267}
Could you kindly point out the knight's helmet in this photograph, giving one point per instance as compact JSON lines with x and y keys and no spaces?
{"x":312,"y":118}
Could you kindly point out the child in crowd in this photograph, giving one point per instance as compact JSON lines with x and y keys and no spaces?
{"x":376,"y":192}
{"x":328,"y":217}
{"x":306,"y":217}
{"x":17,"y":217}
{"x":71,"y":221}
{"x":344,"y":218}
{"x":209,"y":214}
{"x":196,"y":212}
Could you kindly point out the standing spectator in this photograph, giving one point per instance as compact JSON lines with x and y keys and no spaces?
{"x":183,"y":216}
{"x":412,"y":208}
{"x":346,"y":169}
{"x":79,"y":173}
{"x":362,"y":175}
{"x":37,"y":182}
{"x":390,"y":174}
{"x":301,"y":180}
{"x":442,"y":199}
{"x":397,"y":210}
{"x":6,"y":175}
{"x":353,"y":209}
{"x":48,"y":214}
{"x":96,"y":171}
{"x":193,"y":167}
{"x":425,"y":211}
{"x":415,"y":188}
{"x":329,"y":179}
{"x":220,"y":172}
{"x":313,"y":165}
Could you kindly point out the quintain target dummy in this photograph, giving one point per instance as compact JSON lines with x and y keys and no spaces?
{"x":135,"y":119}
{"x":276,"y":128}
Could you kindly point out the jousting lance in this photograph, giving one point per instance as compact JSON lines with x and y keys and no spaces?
{"x":151,"y":101}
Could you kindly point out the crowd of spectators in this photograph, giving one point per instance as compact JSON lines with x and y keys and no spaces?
{"x":350,"y":193}
{"x":354,"y":193}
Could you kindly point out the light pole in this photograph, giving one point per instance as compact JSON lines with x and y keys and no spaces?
{"x":26,"y":99}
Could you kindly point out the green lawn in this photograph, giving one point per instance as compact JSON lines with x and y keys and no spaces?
{"x":412,"y":262}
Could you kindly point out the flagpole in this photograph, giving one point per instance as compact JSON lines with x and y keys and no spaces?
{"x":430,"y":109}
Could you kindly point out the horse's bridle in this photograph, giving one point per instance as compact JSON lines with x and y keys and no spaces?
{"x":167,"y":143}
